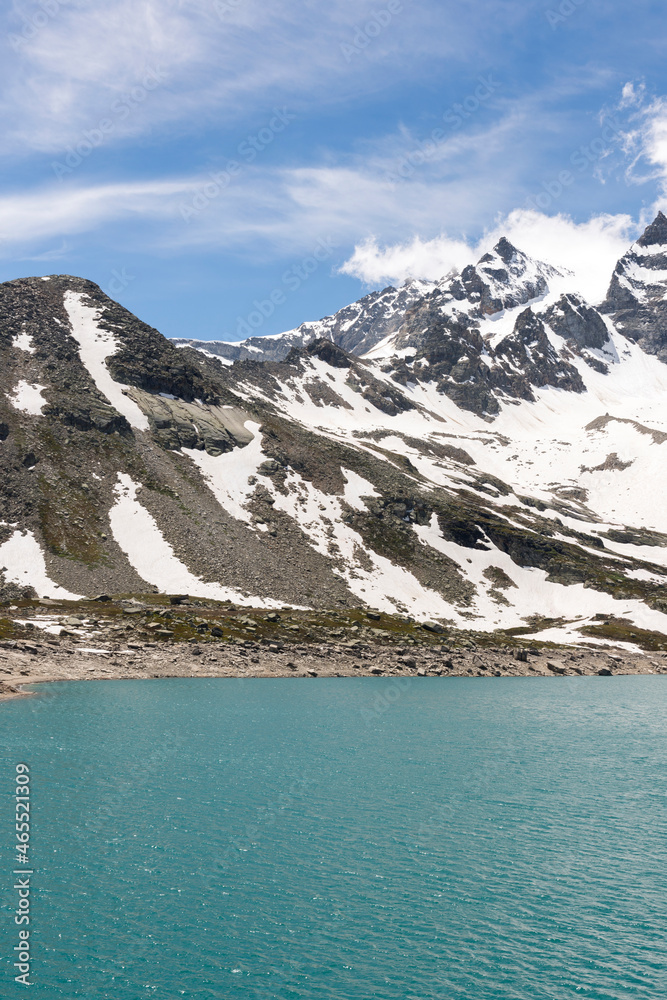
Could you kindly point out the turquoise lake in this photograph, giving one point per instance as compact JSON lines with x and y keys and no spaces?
{"x":342,"y":838}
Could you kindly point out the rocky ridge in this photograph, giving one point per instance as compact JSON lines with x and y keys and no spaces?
{"x":637,"y":296}
{"x":356,"y":328}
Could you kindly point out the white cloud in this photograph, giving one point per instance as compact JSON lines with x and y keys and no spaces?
{"x":56,"y":211}
{"x":375,"y":265}
{"x":632,"y":95}
{"x":590,"y":249}
{"x":68,"y":64}
{"x":420,"y":227}
{"x":646,"y":139}
{"x":654,"y":141}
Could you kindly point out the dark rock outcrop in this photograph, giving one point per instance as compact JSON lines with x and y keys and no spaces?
{"x":574,"y":320}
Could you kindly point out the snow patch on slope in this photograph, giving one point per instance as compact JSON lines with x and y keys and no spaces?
{"x":23,"y":342}
{"x":24,"y":564}
{"x":356,"y":488}
{"x":95,"y":345}
{"x":28,"y":398}
{"x":227,"y":474}
{"x":533,"y":594}
{"x":151,"y":555}
{"x":372,"y":578}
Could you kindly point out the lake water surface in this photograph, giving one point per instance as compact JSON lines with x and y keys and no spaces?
{"x":342,"y":838}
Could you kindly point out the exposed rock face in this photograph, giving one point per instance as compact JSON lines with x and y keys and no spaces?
{"x":528,"y":348}
{"x":329,"y":352}
{"x":637,"y":295}
{"x":178,"y":424}
{"x":448,"y":351}
{"x":573,"y":320}
{"x":252,"y":349}
{"x":451,"y":352}
{"x":32,"y":312}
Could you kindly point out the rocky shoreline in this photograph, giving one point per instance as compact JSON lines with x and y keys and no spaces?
{"x":23,"y":664}
{"x":156,"y":636}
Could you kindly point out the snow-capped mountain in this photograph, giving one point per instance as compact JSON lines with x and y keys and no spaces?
{"x":355,"y":328}
{"x":486,"y":450}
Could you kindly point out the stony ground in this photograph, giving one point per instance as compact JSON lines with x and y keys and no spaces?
{"x":149,"y":636}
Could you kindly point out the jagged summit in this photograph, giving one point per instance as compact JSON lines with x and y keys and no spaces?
{"x":656,"y":233}
{"x":502,"y":279}
{"x":505,"y":250}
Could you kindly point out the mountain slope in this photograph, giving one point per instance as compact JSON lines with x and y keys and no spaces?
{"x":637,"y":296}
{"x":492,"y":460}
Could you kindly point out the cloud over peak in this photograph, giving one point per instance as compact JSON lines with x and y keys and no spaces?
{"x":590,"y":249}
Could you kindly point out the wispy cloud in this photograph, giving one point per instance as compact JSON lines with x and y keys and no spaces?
{"x":647,"y":139}
{"x":297,"y":209}
{"x":266,"y":209}
{"x":221,"y":62}
{"x":49,"y":212}
{"x":393,"y":229}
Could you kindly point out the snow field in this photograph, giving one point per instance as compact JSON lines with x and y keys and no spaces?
{"x":533,"y":594}
{"x":95,"y":345}
{"x":356,"y":488}
{"x":227,"y":474}
{"x":386,"y":586}
{"x":23,"y":342}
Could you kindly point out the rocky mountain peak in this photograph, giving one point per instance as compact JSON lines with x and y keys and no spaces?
{"x":329,"y":352}
{"x":655,"y":234}
{"x":502,"y":278}
{"x":574,"y":320}
{"x":505,"y":249}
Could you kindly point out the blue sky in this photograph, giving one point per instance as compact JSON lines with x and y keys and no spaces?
{"x":221,"y":166}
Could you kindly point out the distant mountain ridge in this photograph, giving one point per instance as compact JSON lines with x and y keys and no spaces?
{"x":356,"y":328}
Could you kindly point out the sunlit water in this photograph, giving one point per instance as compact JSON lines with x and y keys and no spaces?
{"x":343,"y":838}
